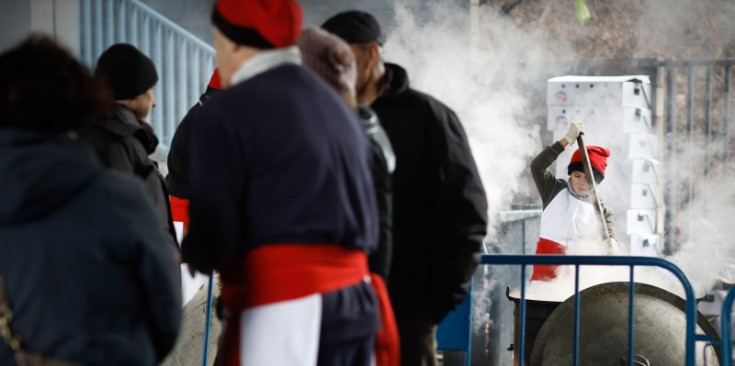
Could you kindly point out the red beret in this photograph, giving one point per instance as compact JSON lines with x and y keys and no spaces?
{"x":259,"y":23}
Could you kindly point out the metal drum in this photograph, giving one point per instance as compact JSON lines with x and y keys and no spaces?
{"x":537,"y":311}
{"x":659,"y":329}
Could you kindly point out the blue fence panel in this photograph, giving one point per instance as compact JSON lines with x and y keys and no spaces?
{"x":726,"y":328}
{"x":454,"y":333}
{"x":181,"y":77}
{"x":690,"y":309}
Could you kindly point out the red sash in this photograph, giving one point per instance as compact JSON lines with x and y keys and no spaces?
{"x":282,"y":272}
{"x":546,"y":272}
{"x":180,"y":210}
{"x":279,"y":272}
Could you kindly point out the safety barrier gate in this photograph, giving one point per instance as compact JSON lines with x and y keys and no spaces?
{"x":726,"y":328}
{"x":691,"y":311}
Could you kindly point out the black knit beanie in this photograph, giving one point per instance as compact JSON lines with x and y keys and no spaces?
{"x":127,"y":71}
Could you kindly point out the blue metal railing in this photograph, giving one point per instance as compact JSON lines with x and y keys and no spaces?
{"x":184,"y":62}
{"x":576,"y":261}
{"x":726,"y":328}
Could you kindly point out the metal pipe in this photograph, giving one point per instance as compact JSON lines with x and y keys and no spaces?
{"x":121,"y":23}
{"x":726,"y":328}
{"x":169,"y":91}
{"x":690,"y":151}
{"x":86,"y":32}
{"x":522,"y":346}
{"x":728,"y":117}
{"x":631,"y":316}
{"x":135,"y":24}
{"x":576,"y":315}
{"x":109,"y":24}
{"x":97,"y":32}
{"x":708,"y":119}
{"x":669,"y":186}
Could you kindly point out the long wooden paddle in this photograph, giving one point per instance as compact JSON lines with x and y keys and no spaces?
{"x":587,"y":166}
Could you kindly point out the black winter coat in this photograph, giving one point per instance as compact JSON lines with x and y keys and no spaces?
{"x":122,"y":143}
{"x":179,"y":160}
{"x":86,"y":275}
{"x":440,"y":210}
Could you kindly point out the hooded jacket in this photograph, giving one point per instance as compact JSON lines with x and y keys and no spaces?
{"x":439,"y":205}
{"x":86,"y":275}
{"x":122,"y":143}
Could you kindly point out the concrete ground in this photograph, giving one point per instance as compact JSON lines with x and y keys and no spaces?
{"x":189,"y":346}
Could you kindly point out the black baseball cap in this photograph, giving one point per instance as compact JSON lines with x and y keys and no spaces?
{"x":355,"y":26}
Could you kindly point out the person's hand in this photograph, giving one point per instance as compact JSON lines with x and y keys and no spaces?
{"x":575,"y":129}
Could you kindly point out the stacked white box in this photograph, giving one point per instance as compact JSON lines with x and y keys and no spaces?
{"x":617,"y":115}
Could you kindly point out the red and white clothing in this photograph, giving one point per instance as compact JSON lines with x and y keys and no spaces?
{"x":567,"y":219}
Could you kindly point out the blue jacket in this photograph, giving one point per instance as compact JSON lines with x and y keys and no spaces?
{"x":88,"y":271}
{"x":279,"y":159}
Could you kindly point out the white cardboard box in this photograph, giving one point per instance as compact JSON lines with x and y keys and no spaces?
{"x":620,"y":120}
{"x":600,"y":91}
{"x":643,"y":196}
{"x":645,"y":171}
{"x":642,"y":146}
{"x":645,"y":245}
{"x":641,"y":221}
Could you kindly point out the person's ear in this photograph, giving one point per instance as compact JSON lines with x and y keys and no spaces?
{"x":374,"y":55}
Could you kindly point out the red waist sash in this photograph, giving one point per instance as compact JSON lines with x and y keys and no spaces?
{"x":546,"y":272}
{"x":279,"y":272}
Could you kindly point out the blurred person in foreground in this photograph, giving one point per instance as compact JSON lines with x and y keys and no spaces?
{"x":569,"y":214}
{"x":86,"y":279}
{"x":282,"y":203}
{"x":439,"y":205}
{"x":124,"y":140}
{"x":332,"y":59}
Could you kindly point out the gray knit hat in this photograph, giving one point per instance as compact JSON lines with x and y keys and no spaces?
{"x":330,"y":57}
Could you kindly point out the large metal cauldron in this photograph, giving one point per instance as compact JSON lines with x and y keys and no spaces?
{"x":659,"y":325}
{"x":537,"y":311}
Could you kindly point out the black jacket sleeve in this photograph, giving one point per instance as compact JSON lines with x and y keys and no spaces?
{"x":216,"y":197}
{"x":178,"y":160}
{"x":459,"y":211}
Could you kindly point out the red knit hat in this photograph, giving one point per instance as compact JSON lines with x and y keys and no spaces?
{"x":215,"y":82}
{"x":259,"y":23}
{"x":598,"y":158}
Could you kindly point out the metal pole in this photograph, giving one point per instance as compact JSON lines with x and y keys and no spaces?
{"x":708,"y":119}
{"x":669,"y":192}
{"x":631,"y":316}
{"x":576,"y":315}
{"x":728,"y":118}
{"x":690,"y":159}
{"x":208,"y":319}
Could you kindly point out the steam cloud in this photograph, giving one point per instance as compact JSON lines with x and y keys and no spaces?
{"x":481,"y":71}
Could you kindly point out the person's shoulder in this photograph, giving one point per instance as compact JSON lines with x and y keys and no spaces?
{"x":118,"y":189}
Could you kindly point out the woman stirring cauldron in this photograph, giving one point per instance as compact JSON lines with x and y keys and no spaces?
{"x":569,"y":213}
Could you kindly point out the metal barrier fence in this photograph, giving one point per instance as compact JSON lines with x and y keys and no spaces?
{"x":726,"y":328}
{"x":632,"y":262}
{"x":184,"y":62}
